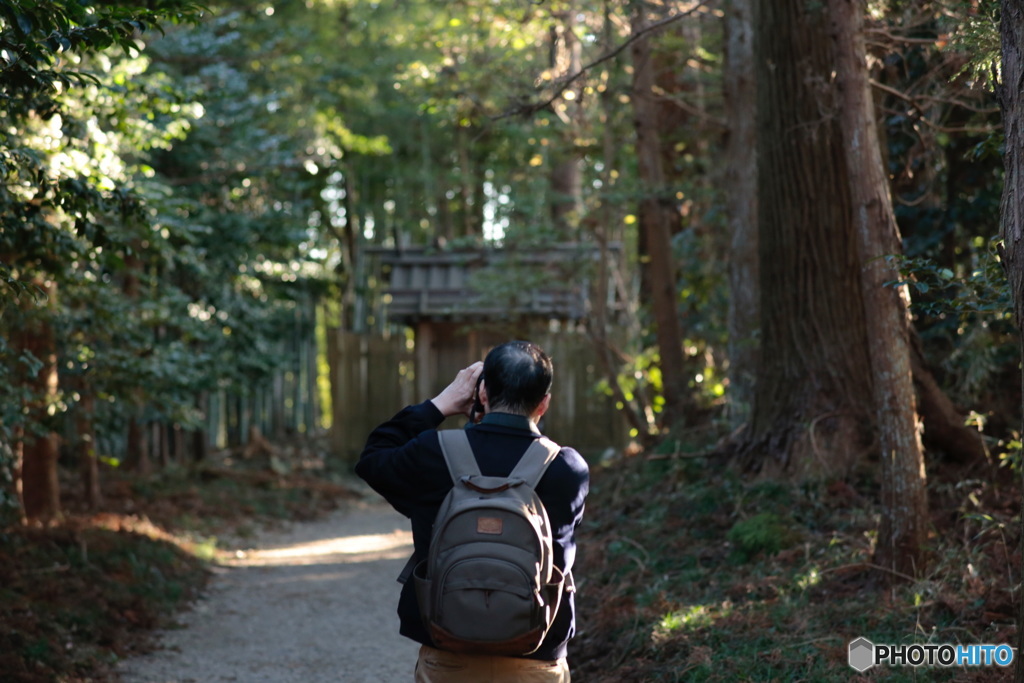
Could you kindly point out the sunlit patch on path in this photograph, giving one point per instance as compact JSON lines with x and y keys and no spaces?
{"x":314,"y":603}
{"x":360,"y":548}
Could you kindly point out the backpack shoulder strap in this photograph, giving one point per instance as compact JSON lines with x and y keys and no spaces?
{"x":458,"y":454}
{"x":534,"y":463}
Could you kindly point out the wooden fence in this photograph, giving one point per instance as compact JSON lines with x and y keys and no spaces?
{"x":375,"y":376}
{"x":285,"y":405}
{"x":372,"y":378}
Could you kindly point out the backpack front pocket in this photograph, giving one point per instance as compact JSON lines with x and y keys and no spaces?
{"x":486,"y":600}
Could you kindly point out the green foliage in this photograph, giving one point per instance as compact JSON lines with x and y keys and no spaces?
{"x":983,"y":290}
{"x":161,"y":292}
{"x":35,"y":36}
{"x":763,"y":533}
{"x":943,"y":142}
{"x":76,"y":119}
{"x":43,"y":46}
{"x":9,"y":503}
{"x":974,"y":31}
{"x":968,"y":314}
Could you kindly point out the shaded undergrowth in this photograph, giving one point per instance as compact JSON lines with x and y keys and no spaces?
{"x":692,"y":573}
{"x":77,"y":597}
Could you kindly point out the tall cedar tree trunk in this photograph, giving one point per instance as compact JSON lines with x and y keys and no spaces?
{"x":1012,"y":208}
{"x":903,"y":532}
{"x":656,"y":217}
{"x":744,"y":317}
{"x":39,"y":484}
{"x":811,"y":413}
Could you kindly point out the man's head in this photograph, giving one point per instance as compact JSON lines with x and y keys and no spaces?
{"x":517,"y":378}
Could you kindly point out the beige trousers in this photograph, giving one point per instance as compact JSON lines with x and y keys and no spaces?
{"x":438,"y":666}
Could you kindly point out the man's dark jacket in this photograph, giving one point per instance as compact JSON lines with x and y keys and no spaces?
{"x":403,"y":462}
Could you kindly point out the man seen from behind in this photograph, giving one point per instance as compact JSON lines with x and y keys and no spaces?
{"x":404,"y":462}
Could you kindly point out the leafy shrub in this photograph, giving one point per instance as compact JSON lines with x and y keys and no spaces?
{"x":763,"y":533}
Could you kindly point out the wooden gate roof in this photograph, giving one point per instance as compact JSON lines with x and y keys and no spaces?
{"x":424,"y":283}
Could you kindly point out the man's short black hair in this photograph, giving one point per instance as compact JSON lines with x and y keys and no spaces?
{"x":518,"y":377}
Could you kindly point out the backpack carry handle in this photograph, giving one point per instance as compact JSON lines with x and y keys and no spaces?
{"x":469,"y":483}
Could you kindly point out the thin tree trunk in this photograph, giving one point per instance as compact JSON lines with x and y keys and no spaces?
{"x":603,"y":223}
{"x":349,"y":254}
{"x":744,"y":317}
{"x":656,"y":216}
{"x":40,"y":486}
{"x":178,"y":444}
{"x":903,"y":531}
{"x":161,"y":443}
{"x":88,"y":462}
{"x":566,"y":175}
{"x":467,"y":180}
{"x":200,"y":437}
{"x":137,"y":448}
{"x":1012,"y":208}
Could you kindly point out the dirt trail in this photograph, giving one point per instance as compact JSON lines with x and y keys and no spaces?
{"x":314,"y":603}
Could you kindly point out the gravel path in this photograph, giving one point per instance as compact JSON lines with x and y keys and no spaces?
{"x":314,"y":603}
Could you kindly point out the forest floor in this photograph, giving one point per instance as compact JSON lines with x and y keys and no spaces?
{"x":728,"y":578}
{"x":687,"y":572}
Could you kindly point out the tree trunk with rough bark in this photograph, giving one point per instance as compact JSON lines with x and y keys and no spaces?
{"x":744,"y":316}
{"x":656,"y":218}
{"x":1011,"y":227}
{"x":903,"y":531}
{"x":812,"y":413}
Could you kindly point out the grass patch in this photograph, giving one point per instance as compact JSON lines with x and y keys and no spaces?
{"x":688,"y":573}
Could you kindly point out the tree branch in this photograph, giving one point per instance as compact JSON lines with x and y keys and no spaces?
{"x":923,"y":117}
{"x":563,"y":83}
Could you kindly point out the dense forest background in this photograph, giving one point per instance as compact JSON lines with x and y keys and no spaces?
{"x":796,"y":211}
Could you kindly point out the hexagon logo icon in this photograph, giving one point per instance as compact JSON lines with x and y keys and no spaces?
{"x":862,"y":654}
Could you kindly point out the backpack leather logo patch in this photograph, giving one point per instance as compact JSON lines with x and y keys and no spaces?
{"x":489,"y":525}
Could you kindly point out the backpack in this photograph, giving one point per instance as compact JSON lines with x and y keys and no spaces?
{"x":488,"y":585}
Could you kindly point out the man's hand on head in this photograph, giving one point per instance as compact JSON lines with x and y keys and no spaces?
{"x":457,"y":397}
